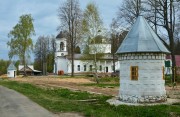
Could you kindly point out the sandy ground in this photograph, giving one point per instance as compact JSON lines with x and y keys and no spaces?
{"x":69,"y":83}
{"x":76,"y":84}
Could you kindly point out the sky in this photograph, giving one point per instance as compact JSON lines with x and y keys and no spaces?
{"x":44,"y":13}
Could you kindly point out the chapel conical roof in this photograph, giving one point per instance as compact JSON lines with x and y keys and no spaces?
{"x":11,"y":67}
{"x":141,"y":38}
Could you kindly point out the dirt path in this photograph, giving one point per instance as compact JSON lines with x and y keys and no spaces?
{"x":76,"y":84}
{"x":70,"y":83}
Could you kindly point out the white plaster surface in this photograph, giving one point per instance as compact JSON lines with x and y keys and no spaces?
{"x":150,"y":83}
{"x":10,"y":73}
{"x":62,"y":64}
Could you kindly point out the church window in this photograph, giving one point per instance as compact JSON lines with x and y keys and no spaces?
{"x":100,"y":68}
{"x":106,"y":69}
{"x":61,"y":46}
{"x":84,"y":67}
{"x":90,"y":67}
{"x":78,"y":67}
{"x":134,"y":72}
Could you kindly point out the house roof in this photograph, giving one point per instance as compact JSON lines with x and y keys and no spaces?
{"x":11,"y":67}
{"x":141,"y":38}
{"x":177,"y":58}
{"x":28,"y":67}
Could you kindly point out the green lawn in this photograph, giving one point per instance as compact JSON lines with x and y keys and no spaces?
{"x":63,"y":100}
{"x":103,"y":85}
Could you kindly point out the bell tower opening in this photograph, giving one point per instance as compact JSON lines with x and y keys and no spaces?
{"x":61,"y":46}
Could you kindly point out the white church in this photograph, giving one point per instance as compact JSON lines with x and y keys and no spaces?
{"x":63,"y":59}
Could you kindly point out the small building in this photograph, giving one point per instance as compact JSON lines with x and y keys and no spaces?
{"x":141,"y":57}
{"x":168,"y":64}
{"x":30,"y":71}
{"x":11,"y":71}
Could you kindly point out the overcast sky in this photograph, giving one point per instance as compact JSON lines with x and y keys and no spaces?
{"x":44,"y":13}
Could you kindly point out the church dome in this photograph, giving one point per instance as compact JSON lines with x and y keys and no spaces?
{"x":60,"y":35}
{"x":99,"y":40}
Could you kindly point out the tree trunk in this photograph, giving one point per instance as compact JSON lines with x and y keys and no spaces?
{"x":170,"y":29}
{"x":114,"y":63}
{"x":24,"y":62}
{"x":95,"y":65}
{"x":72,"y":59}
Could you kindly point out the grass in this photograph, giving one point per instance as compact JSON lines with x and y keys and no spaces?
{"x":168,"y":80}
{"x":63,"y":100}
{"x":105,"y":82}
{"x":102,"y":85}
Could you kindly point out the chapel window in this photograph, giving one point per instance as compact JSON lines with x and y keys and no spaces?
{"x":134,"y":72}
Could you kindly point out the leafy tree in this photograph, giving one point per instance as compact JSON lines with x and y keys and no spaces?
{"x":92,"y":27}
{"x":3,"y":66}
{"x":70,"y":16}
{"x":92,"y":23}
{"x":21,"y":43}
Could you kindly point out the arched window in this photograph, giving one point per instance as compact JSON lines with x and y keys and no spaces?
{"x":90,"y":67}
{"x":84,"y":67}
{"x":100,"y":68}
{"x":78,"y":68}
{"x":61,"y":46}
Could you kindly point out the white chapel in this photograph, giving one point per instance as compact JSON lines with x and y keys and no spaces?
{"x":141,"y":57}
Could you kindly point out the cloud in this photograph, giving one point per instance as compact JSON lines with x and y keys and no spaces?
{"x":45,"y":16}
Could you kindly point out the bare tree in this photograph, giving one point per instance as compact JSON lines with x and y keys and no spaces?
{"x":44,"y":53}
{"x":129,"y":11}
{"x":92,"y":27}
{"x":165,"y":12}
{"x":70,"y":16}
{"x":161,"y":13}
{"x":117,"y":36}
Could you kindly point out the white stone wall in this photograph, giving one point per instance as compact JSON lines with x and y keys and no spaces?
{"x":104,"y":64}
{"x":10,"y":73}
{"x":62,"y":64}
{"x":150,"y":84}
{"x":58,"y":54}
